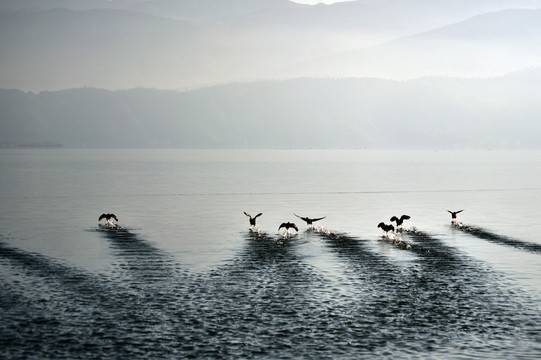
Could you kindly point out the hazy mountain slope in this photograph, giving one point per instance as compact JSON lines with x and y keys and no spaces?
{"x":486,"y":45}
{"x":350,"y":113}
{"x":65,"y":4}
{"x":245,"y":41}
{"x":59,"y":49}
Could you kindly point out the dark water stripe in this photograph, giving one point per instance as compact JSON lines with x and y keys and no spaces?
{"x":435,"y":249}
{"x":445,"y":296}
{"x":42,"y":266}
{"x":268,"y":302}
{"x":142,"y":259}
{"x":70,"y":313}
{"x":264,"y":303}
{"x":499,"y":239}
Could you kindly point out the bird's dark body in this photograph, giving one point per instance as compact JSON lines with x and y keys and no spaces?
{"x":288,"y":225}
{"x":252,"y":219}
{"x":309,"y":221}
{"x":107,"y":217}
{"x":385,"y":227}
{"x":453,"y":213}
{"x":400,"y":220}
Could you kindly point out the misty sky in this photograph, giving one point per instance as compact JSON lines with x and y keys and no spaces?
{"x":313,"y":2}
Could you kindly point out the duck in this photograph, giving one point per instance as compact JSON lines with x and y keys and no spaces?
{"x":308,"y":220}
{"x":252,"y":219}
{"x":108,"y":218}
{"x":453,"y":213}
{"x":400,"y":220}
{"x":288,"y":225}
{"x":385,"y":227}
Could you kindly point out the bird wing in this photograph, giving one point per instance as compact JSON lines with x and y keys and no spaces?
{"x":394,"y":218}
{"x":245,"y":213}
{"x":258,"y":215}
{"x":404,"y":217}
{"x":294,"y":226}
{"x":317,"y":219}
{"x":282,"y":225}
{"x":114,"y":216}
{"x":101,"y":217}
{"x":302,"y":218}
{"x":459,"y":211}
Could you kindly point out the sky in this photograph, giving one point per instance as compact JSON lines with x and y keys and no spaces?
{"x":314,"y":2}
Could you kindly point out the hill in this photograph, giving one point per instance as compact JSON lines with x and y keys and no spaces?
{"x":433,"y":113}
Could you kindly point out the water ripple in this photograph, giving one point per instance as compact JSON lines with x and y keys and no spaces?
{"x":268,"y":302}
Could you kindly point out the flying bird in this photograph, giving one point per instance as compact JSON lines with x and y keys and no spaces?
{"x":288,"y":225}
{"x":109,"y":221}
{"x":453,"y":213}
{"x":400,"y":220}
{"x":107,"y":217}
{"x":252,"y":219}
{"x":308,"y":220}
{"x":386,"y":227}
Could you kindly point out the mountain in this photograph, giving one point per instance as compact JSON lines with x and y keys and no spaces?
{"x":433,"y":113}
{"x":168,"y":44}
{"x":486,"y":45}
{"x":58,"y":49}
{"x":66,"y":4}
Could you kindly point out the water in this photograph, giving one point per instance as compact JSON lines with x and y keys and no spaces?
{"x":185,"y":277}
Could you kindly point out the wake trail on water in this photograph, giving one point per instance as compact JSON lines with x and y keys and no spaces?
{"x":484,"y":234}
{"x":437,"y":297}
{"x":265,"y":302}
{"x":142,"y":259}
{"x":60,"y":310}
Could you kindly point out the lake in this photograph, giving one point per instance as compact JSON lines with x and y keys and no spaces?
{"x":184,"y":276}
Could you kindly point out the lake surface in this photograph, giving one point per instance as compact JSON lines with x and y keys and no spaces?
{"x":185,"y":277}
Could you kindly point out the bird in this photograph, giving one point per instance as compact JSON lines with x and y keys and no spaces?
{"x":308,"y":220}
{"x":453,"y":213}
{"x":288,"y":225}
{"x":386,"y":227}
{"x":108,"y":218}
{"x":400,"y":220}
{"x":252,"y":219}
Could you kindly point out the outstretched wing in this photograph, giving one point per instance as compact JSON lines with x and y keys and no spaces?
{"x":102,"y":216}
{"x":317,"y":219}
{"x":258,"y":215}
{"x":114,"y":216}
{"x":282,"y":225}
{"x":459,"y":211}
{"x":404,"y":217}
{"x":302,"y":218}
{"x":245,"y":213}
{"x":394,"y":218}
{"x":294,"y":226}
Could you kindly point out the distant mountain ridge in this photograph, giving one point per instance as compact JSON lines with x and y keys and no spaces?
{"x":486,"y":45}
{"x":121,"y":44}
{"x":430,"y":113}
